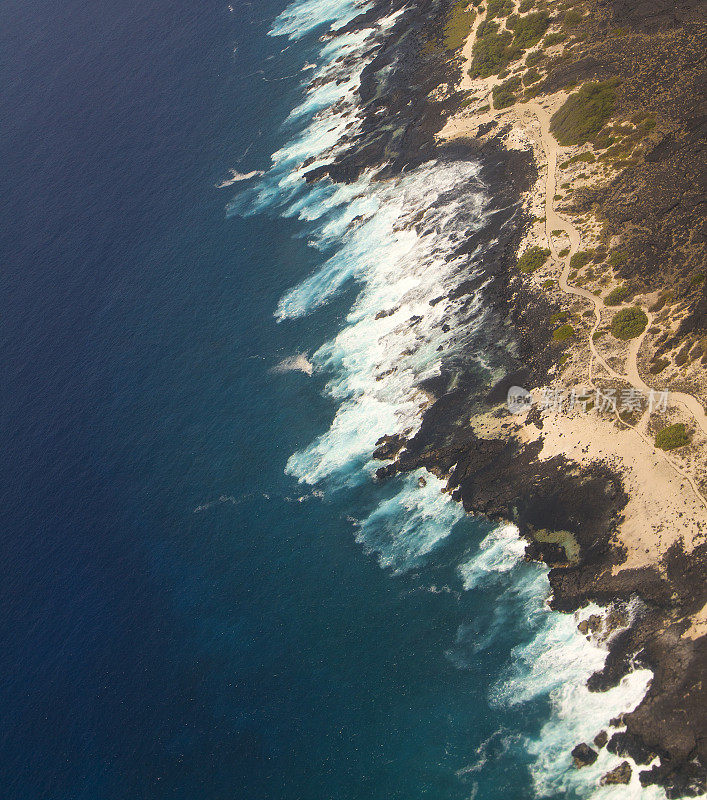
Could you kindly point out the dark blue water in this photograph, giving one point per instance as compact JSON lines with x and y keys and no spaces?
{"x":173,"y":626}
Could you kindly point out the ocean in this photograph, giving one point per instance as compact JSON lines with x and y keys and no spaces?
{"x":205,"y":592}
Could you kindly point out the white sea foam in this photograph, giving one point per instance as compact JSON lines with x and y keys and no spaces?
{"x":555,"y":664}
{"x":409,"y":525}
{"x":394,"y":240}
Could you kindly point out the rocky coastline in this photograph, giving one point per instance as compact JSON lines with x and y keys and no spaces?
{"x":569,"y":511}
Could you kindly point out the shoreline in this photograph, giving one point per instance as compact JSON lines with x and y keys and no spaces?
{"x":666,"y":509}
{"x":651,"y":545}
{"x":590,"y":494}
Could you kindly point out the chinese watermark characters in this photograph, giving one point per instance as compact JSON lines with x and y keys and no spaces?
{"x":624,"y":401}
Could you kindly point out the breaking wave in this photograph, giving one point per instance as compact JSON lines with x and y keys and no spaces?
{"x":397,"y":241}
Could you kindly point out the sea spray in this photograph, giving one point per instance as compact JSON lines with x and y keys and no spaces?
{"x":399,"y":242}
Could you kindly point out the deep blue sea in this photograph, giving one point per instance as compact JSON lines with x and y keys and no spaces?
{"x":203,"y":593}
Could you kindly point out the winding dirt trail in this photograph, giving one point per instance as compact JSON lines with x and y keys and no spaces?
{"x":555,"y":221}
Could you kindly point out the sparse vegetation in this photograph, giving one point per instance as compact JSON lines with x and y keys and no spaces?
{"x":629,"y":323}
{"x":672,"y":437}
{"x":560,"y":316}
{"x":533,"y":259}
{"x":590,"y":158}
{"x":526,"y":5}
{"x":584,"y":113}
{"x":617,"y":296}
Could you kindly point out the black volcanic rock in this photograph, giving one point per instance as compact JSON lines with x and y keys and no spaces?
{"x":583,"y":755}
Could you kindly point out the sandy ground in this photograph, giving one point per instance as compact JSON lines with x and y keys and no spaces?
{"x":665,"y":503}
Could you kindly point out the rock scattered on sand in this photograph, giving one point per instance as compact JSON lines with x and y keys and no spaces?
{"x":583,"y":755}
{"x":620,"y":774}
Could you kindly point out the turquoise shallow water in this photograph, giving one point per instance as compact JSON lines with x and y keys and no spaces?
{"x":206,"y":595}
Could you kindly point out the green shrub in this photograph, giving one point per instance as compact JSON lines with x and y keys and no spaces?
{"x":598,"y":334}
{"x":557,"y":232}
{"x":531,"y":76}
{"x":534,"y":58}
{"x":526,"y":5}
{"x":672,"y":437}
{"x":459,"y":24}
{"x":571,"y":18}
{"x":548,"y":284}
{"x":563,"y":333}
{"x":617,"y":258}
{"x":553,"y":38}
{"x":580,"y":259}
{"x":499,"y":8}
{"x":528,"y":30}
{"x":658,"y":366}
{"x":564,"y":252}
{"x":590,"y":158}
{"x":617,"y":295}
{"x":697,"y":278}
{"x":533,"y":259}
{"x":560,"y":316}
{"x":504,"y":94}
{"x":492,"y":51}
{"x":584,"y":113}
{"x":629,"y":323}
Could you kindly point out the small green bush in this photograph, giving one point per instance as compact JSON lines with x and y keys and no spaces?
{"x":531,"y":76}
{"x":616,"y":296}
{"x":590,"y":158}
{"x":563,"y":333}
{"x":548,"y":284}
{"x":571,"y":18}
{"x":672,"y":437}
{"x":580,"y":259}
{"x":560,"y":316}
{"x":492,"y":51}
{"x":528,"y":30}
{"x":533,"y":259}
{"x":617,"y":258}
{"x":499,"y":8}
{"x":504,"y":94}
{"x":564,"y":252}
{"x":526,"y":5}
{"x":534,"y":58}
{"x":553,"y":38}
{"x":697,"y":278}
{"x":629,"y":323}
{"x":584,"y":113}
